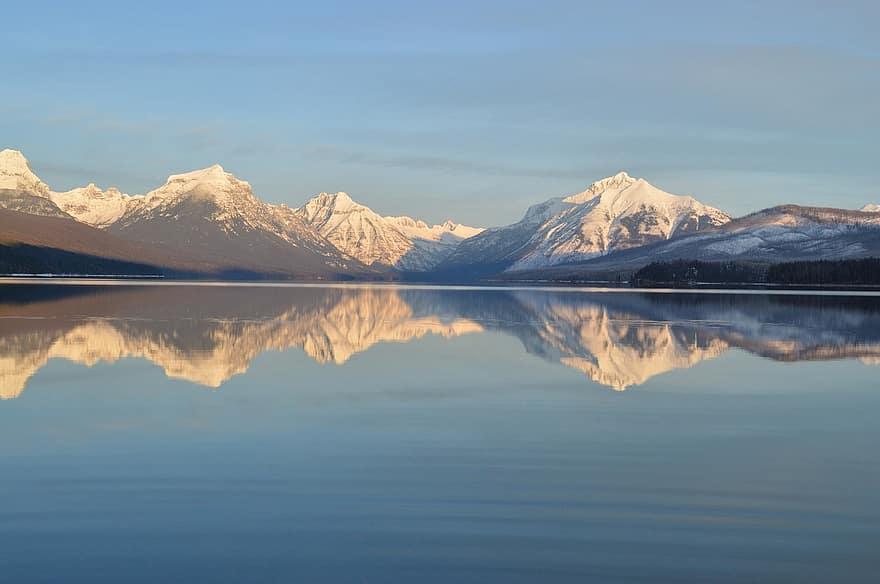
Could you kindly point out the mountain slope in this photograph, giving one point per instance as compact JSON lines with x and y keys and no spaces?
{"x":402,"y":243}
{"x":616,"y":213}
{"x":777,"y":234}
{"x":39,"y":244}
{"x":787,"y":232}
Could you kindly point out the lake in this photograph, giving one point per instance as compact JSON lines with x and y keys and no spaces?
{"x":270,"y":433}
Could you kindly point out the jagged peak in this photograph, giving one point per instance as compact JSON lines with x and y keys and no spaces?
{"x":90,"y":188}
{"x":613,"y":184}
{"x":330,"y":208}
{"x":617,"y":181}
{"x":93,"y":190}
{"x":340,"y":201}
{"x":407,"y":221}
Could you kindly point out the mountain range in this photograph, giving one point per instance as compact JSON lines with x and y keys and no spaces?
{"x":209,"y":223}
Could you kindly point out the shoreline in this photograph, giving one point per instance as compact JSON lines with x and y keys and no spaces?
{"x":535,"y":285}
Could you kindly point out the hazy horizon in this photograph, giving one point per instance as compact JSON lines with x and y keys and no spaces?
{"x":469,"y":111}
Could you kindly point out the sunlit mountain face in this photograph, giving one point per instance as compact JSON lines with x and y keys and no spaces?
{"x":208,"y":334}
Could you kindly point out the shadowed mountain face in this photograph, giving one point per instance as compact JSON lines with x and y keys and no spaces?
{"x":207,"y":335}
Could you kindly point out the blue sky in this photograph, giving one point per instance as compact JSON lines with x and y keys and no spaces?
{"x":473,"y":109}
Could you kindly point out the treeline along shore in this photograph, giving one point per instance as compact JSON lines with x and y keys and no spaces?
{"x":856,"y":273}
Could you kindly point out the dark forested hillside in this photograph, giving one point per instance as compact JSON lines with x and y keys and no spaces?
{"x":862,"y":272}
{"x":857,"y":272}
{"x":30,"y":259}
{"x":683,"y":272}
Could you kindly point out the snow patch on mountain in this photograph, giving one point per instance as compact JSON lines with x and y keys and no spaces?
{"x":871,"y":208}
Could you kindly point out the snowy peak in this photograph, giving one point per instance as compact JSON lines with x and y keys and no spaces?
{"x":23,"y":191}
{"x":871,"y":208}
{"x":449,"y":230}
{"x":457,"y":229}
{"x":207,"y":181}
{"x":619,"y":181}
{"x":324,"y":206}
{"x":610,"y":185}
{"x":211,"y":192}
{"x":355,"y":229}
{"x":13,"y":162}
{"x":219,"y":190}
{"x":623,"y":190}
{"x":405,"y":222}
{"x":213,"y":175}
{"x":614,"y":213}
{"x":16,"y":174}
{"x":92,"y":206}
{"x":400,"y":242}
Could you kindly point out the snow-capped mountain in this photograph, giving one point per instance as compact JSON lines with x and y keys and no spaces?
{"x":214,"y":214}
{"x":93,"y":206}
{"x":399,"y":242}
{"x":777,"y":234}
{"x":22,"y":190}
{"x":616,"y":213}
{"x":871,"y":208}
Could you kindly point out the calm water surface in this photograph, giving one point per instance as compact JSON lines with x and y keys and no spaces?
{"x":367,"y":434}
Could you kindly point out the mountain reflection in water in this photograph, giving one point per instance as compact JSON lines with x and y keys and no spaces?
{"x":208,"y":334}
